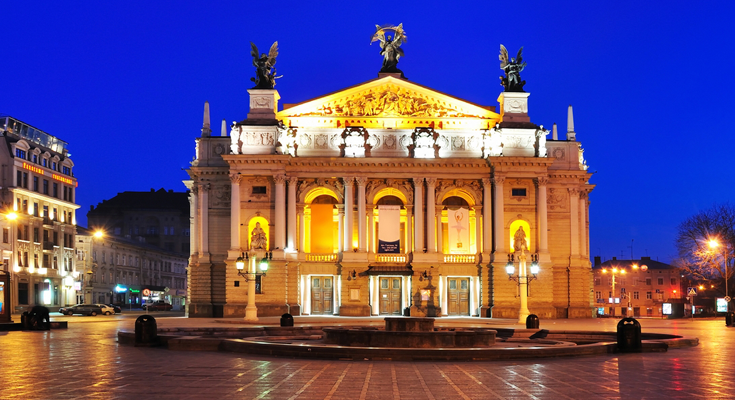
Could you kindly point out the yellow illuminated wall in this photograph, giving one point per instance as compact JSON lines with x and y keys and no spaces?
{"x":322,"y":228}
{"x":266,"y":229}
{"x":526,"y":228}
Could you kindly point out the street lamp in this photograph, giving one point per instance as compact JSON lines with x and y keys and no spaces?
{"x":614,"y":271}
{"x":713,"y":244}
{"x":522,"y":279}
{"x":68,"y":284}
{"x":251,"y":310}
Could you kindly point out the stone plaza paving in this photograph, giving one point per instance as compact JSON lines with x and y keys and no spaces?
{"x":85,"y":361}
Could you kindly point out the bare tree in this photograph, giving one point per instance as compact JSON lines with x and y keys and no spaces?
{"x":696,"y":255}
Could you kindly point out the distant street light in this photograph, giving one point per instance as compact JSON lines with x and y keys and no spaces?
{"x":713,"y":244}
{"x":615,"y":271}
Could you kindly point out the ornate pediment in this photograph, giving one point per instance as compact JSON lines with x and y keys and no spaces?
{"x":388,"y":97}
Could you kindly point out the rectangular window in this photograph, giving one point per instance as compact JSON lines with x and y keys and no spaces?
{"x":45,"y":186}
{"x":44,"y":162}
{"x":597,"y":281}
{"x":518,"y":192}
{"x":23,"y":293}
{"x":25,"y":180}
{"x":19,"y":179}
{"x":648,"y":281}
{"x":660,"y":281}
{"x":56,"y":190}
{"x":259,"y":190}
{"x":598,"y":295}
{"x":35,"y":158}
{"x":66,"y":170}
{"x":45,"y":211}
{"x":35,"y":235}
{"x":6,"y":235}
{"x":635,"y":295}
{"x":20,"y":153}
{"x":648,"y":296}
{"x":673,"y":281}
{"x":35,"y":209}
{"x":64,"y":187}
{"x":660,"y":296}
{"x":53,"y":166}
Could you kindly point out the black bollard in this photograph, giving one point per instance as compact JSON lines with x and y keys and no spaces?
{"x":629,"y":336}
{"x":729,"y":318}
{"x":532,"y":322}
{"x":146,"y":331}
{"x":287,"y":320}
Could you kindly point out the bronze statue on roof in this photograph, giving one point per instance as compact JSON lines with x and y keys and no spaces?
{"x":512,"y":81}
{"x":390,"y":47}
{"x":265,"y":77}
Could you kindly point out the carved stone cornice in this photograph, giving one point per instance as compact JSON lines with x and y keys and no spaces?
{"x":235,"y":178}
{"x":279,"y":179}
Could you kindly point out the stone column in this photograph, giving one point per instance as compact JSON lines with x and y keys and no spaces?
{"x":574,"y":220}
{"x":235,"y":213}
{"x":443,"y":293}
{"x":204,"y":229}
{"x":293,"y":183}
{"x":194,"y":234}
{"x":349,"y":211}
{"x":487,"y":216}
{"x":280,"y":237}
{"x":439,"y":230}
{"x":371,"y":229}
{"x":583,"y":245}
{"x":478,"y":230}
{"x":341,"y":227}
{"x":418,"y":206}
{"x":361,"y":234}
{"x":499,"y":216}
{"x":430,"y":218}
{"x":375,"y":280}
{"x":541,"y":211}
{"x":302,"y":230}
{"x":409,"y":231}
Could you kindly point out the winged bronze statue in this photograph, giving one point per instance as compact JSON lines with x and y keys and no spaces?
{"x":512,"y":81}
{"x":390,"y":47}
{"x":265,"y":77}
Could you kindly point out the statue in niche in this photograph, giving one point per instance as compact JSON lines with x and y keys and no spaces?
{"x":390,"y":47}
{"x":265,"y":77}
{"x":512,"y":66}
{"x":258,"y":240}
{"x":519,"y":240}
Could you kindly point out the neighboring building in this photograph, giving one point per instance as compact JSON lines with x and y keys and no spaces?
{"x":388,"y":198}
{"x":159,"y":218}
{"x":635,"y":287}
{"x":38,"y":220}
{"x":122,"y":271}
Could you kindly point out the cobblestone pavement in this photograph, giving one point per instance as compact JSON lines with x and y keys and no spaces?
{"x":85,"y":361}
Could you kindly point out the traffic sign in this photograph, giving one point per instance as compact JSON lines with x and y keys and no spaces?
{"x":146,"y":292}
{"x":691,"y":291}
{"x":727,"y":299}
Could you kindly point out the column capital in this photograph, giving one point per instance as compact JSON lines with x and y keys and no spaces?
{"x":431,"y":182}
{"x":486,"y":181}
{"x":348,"y":180}
{"x":361,"y":180}
{"x":418,"y":182}
{"x":279,"y":179}
{"x":541,"y":181}
{"x":498,"y":179}
{"x":293,"y":181}
{"x":235,"y":178}
{"x":574,"y":192}
{"x":478,"y":208}
{"x":204,"y":187}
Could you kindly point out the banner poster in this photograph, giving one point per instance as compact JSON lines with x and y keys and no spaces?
{"x":389,"y":229}
{"x":458,"y":230}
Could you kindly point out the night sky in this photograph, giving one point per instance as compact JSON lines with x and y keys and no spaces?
{"x":124,"y":83}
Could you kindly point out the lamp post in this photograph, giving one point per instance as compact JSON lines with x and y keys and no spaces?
{"x":713,"y":244}
{"x":251,"y":310}
{"x":522,"y":279}
{"x":68,"y":284}
{"x":614,"y":271}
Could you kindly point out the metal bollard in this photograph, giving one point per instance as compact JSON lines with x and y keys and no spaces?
{"x":532,"y":322}
{"x":729,"y":318}
{"x":146,"y":331}
{"x":629,"y":336}
{"x":287,"y":320}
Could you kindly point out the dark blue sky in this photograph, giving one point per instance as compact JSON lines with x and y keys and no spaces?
{"x":650,"y":82}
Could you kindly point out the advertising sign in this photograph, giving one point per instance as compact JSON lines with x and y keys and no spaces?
{"x":389,"y":229}
{"x":721,"y":304}
{"x":666,"y":310}
{"x":459,"y":231}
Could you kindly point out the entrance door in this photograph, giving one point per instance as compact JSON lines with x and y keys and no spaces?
{"x":390,"y":296}
{"x":321,"y":295}
{"x":458,"y":296}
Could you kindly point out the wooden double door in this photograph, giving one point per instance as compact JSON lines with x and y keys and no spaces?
{"x":322,"y":292}
{"x":390,"y":295}
{"x":458,"y":296}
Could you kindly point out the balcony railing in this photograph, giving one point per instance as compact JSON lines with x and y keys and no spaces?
{"x":460,"y":258}
{"x":391,"y":258}
{"x":324,"y":257}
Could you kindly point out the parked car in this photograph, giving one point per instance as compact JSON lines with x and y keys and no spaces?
{"x":106,"y":309}
{"x":117,"y":309}
{"x":159,"y":305}
{"x":84,"y":309}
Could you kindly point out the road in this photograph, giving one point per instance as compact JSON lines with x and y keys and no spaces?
{"x":85,"y":361}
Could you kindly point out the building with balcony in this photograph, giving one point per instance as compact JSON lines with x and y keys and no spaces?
{"x":128,"y":272}
{"x":38,"y":216}
{"x":388,"y":198}
{"x":635,"y":288}
{"x":158,"y":217}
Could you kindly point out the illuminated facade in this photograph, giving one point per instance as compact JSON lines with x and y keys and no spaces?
{"x":388,"y":198}
{"x":636,"y":288}
{"x":38,"y":217}
{"x":118,"y":270}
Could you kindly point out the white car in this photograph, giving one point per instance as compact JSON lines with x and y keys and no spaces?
{"x":107,"y":310}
